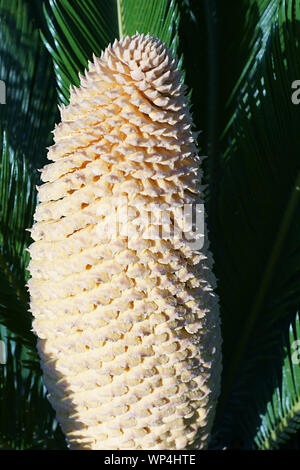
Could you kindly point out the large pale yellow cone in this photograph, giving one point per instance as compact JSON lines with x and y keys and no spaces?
{"x":127,"y":320}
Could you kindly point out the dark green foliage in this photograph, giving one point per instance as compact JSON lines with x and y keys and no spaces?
{"x":27,"y":420}
{"x":17,"y":203}
{"x":281,"y":415}
{"x":78,"y":29}
{"x":26,"y":68}
{"x":240,"y":62}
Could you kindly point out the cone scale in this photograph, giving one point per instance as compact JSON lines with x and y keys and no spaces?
{"x":127,"y":320}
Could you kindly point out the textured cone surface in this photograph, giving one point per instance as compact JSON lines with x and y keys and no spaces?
{"x":127,"y":321}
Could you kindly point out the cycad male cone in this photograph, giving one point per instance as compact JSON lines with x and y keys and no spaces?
{"x":128,"y":324}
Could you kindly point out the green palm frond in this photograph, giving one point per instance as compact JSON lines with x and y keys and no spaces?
{"x":259,"y":18}
{"x":27,"y":420}
{"x":160,"y":18}
{"x":26,"y":120}
{"x":257,"y":209}
{"x":260,"y":163}
{"x":17,"y":204}
{"x":282,"y":415}
{"x":77,"y":30}
{"x":26,"y":69}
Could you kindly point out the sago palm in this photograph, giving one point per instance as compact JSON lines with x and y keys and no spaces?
{"x":240,"y":64}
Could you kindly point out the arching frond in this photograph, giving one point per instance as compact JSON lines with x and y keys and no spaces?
{"x":282,"y":415}
{"x":77,"y":30}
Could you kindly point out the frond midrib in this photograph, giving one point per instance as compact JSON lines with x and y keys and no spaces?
{"x":120,"y":23}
